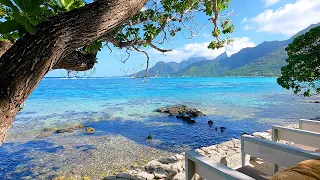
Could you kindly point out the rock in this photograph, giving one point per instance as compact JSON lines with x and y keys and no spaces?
{"x":168,"y":160}
{"x":89,"y":130}
{"x":222,"y":128}
{"x":179,"y":116}
{"x":195,"y":113}
{"x":171,"y":173}
{"x":110,"y":178}
{"x":179,"y":156}
{"x":149,"y":137}
{"x":70,"y":130}
{"x":61,"y":131}
{"x":184,"y":118}
{"x":176,"y":110}
{"x":216,"y":128}
{"x":178,"y":166}
{"x":160,"y":173}
{"x":210,"y":123}
{"x":179,"y":176}
{"x":163,"y":110}
{"x":79,"y":126}
{"x":123,"y":175}
{"x":49,"y":129}
{"x":191,"y":121}
{"x":145,"y":175}
{"x":224,"y":161}
{"x":43,"y":135}
{"x":263,"y":135}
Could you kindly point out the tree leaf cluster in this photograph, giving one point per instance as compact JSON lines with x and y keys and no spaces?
{"x":303,"y":70}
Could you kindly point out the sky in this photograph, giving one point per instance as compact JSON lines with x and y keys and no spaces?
{"x":255,"y":21}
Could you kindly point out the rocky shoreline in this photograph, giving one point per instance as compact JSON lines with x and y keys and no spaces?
{"x":173,"y":167}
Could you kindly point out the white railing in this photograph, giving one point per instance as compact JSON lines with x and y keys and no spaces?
{"x":273,"y":152}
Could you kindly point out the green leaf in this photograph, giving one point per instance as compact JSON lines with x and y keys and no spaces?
{"x":66,"y":3}
{"x":18,"y":17}
{"x":2,"y":11}
{"x":30,"y":28}
{"x":26,"y":5}
{"x":37,"y":2}
{"x":9,"y":26}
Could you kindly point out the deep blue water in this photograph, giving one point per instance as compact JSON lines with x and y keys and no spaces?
{"x":126,"y":107}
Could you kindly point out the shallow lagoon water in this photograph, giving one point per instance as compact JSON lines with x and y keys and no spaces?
{"x":123,"y":109}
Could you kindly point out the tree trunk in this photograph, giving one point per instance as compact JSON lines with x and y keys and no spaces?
{"x":31,"y":57}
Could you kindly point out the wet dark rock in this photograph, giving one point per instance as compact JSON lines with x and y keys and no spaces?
{"x":244,"y":133}
{"x":179,"y":110}
{"x":210,"y":123}
{"x":191,"y":121}
{"x":216,"y":128}
{"x":186,"y":118}
{"x":61,"y":131}
{"x":89,"y":130}
{"x":222,"y":128}
{"x":149,"y":137}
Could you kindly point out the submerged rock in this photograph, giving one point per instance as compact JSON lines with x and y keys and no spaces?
{"x":181,"y":111}
{"x":89,"y":130}
{"x":191,"y":121}
{"x":61,"y":131}
{"x":210,"y":123}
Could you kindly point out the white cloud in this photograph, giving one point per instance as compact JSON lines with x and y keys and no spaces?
{"x":201,"y":50}
{"x":270,"y":2}
{"x":287,"y":20}
{"x":244,"y":20}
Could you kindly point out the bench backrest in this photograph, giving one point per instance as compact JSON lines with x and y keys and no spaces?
{"x":297,"y":136}
{"x":273,"y":152}
{"x":207,"y":168}
{"x":309,"y":125}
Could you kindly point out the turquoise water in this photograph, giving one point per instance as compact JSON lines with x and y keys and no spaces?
{"x":126,"y":107}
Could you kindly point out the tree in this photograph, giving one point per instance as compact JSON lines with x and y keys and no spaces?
{"x":302,"y":73}
{"x":37,"y":36}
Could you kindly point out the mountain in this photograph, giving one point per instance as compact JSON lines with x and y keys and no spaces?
{"x":165,"y":69}
{"x":222,"y":56}
{"x":265,"y":59}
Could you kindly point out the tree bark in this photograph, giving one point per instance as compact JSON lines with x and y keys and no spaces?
{"x":75,"y":61}
{"x":31,"y":57}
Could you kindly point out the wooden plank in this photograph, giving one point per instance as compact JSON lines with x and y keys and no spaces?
{"x":296,"y":136}
{"x":309,"y":125}
{"x":211,"y":170}
{"x":276,"y":153}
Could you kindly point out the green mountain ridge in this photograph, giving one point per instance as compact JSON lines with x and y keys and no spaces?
{"x":265,"y":59}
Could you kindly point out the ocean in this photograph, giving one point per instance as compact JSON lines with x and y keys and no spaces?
{"x":126,"y":107}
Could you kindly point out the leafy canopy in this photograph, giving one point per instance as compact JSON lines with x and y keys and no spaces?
{"x":151,"y":26}
{"x":303,"y":70}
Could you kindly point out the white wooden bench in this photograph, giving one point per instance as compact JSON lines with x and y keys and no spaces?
{"x":309,"y":125}
{"x":273,"y":152}
{"x":303,"y":139}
